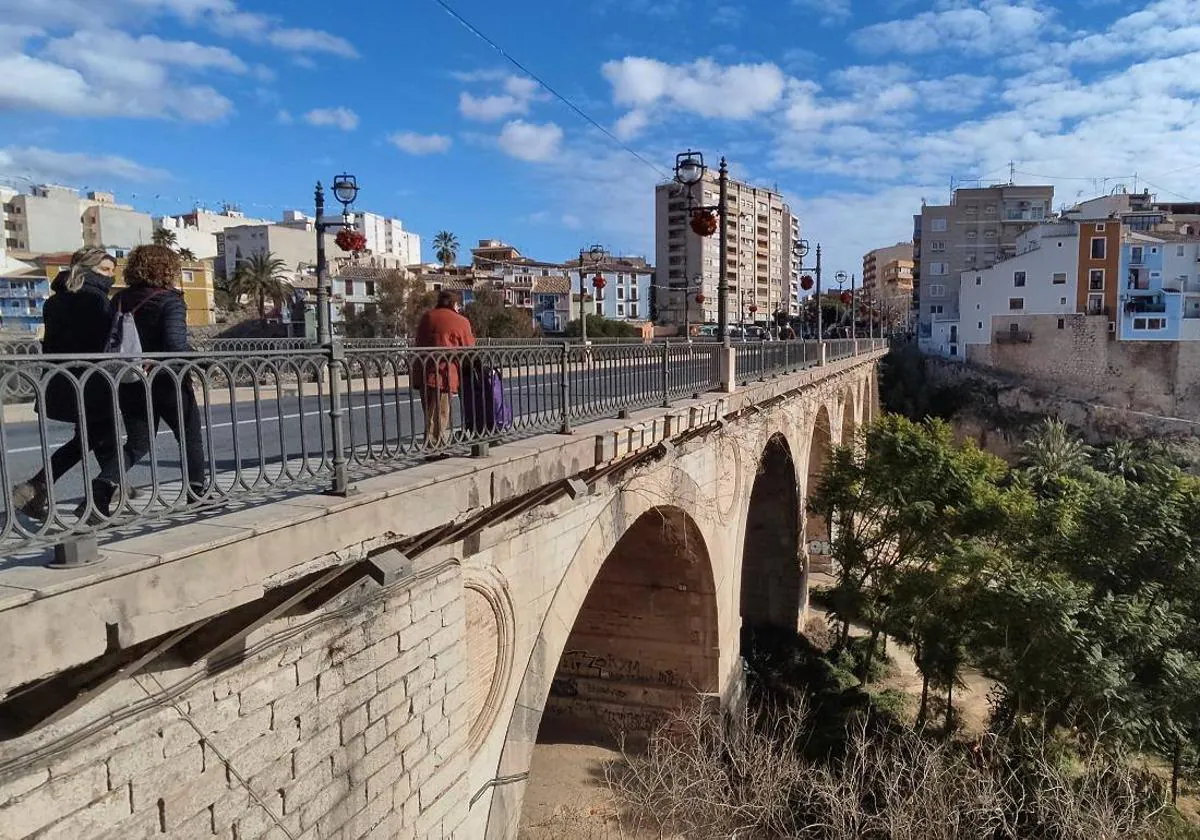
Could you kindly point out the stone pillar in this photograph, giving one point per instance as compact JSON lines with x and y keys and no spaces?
{"x":728,"y":367}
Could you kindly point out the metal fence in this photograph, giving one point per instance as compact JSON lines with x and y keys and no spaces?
{"x":167,"y":436}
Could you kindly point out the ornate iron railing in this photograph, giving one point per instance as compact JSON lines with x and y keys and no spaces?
{"x":258,"y":420}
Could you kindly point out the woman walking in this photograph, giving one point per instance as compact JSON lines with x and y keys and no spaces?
{"x":78,"y":318}
{"x":160,"y":313}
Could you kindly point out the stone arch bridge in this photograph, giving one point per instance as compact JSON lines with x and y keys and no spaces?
{"x":382,"y":665}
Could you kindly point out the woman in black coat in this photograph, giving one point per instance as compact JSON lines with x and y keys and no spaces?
{"x":161,"y":317}
{"x":77,"y":319}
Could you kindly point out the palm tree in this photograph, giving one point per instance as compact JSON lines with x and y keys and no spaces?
{"x":162,"y":236}
{"x":187,"y":255}
{"x":261,"y":278}
{"x":445,"y":248}
{"x":1052,"y":454}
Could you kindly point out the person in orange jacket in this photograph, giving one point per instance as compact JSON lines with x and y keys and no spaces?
{"x":437,"y":375}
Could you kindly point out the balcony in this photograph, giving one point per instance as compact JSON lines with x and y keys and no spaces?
{"x":1136,"y":306}
{"x":1013,"y":337}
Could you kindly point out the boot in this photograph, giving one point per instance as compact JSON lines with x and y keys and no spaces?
{"x":31,"y":498}
{"x":102,"y":498}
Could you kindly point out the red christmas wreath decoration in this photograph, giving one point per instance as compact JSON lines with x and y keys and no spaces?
{"x":700,"y":298}
{"x":598,"y":281}
{"x":806,"y":282}
{"x":349,"y":239}
{"x":704,"y":222}
{"x":846,"y":298}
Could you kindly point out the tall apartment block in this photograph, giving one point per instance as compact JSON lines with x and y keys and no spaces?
{"x":761,"y":233}
{"x":977,"y":229}
{"x":874,"y":261}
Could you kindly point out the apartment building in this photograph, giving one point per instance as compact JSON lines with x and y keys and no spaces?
{"x":117,"y":227}
{"x":874,"y":262}
{"x":388,"y":236}
{"x":24,"y":288}
{"x":44,"y":220}
{"x":978,"y":228}
{"x":762,"y":231}
{"x":627,"y":291}
{"x":294,"y":241}
{"x":197,"y":231}
{"x":1159,"y":292}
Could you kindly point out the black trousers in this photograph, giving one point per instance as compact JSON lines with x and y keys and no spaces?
{"x":102,"y":440}
{"x":174,"y":404}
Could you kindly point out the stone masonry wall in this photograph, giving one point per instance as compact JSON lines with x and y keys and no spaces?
{"x":353,"y":729}
{"x":1082,"y":361}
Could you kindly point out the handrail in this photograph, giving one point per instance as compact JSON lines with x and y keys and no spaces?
{"x":268,"y":420}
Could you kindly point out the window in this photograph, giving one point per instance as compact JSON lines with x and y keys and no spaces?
{"x":937,"y":290}
{"x":1062,"y":301}
{"x":937,"y":245}
{"x":1018,"y":278}
{"x":633,"y":310}
{"x":991,"y":209}
{"x":972,"y":209}
{"x":1156,"y":323}
{"x":349,"y":288}
{"x":1096,"y":279}
{"x":1016,"y":304}
{"x":989,"y":234}
{"x":370,"y":288}
{"x":1100,"y":228}
{"x":620,"y":309}
{"x":938,"y":269}
{"x":978,"y":279}
{"x":936,"y":309}
{"x":189,"y":276}
{"x":1179,"y":250}
{"x":620,"y":293}
{"x":1139,"y":323}
{"x":1098,"y":247}
{"x":1095,"y":304}
{"x":937,"y":225}
{"x":1062,"y":323}
{"x":979,"y":325}
{"x":971,"y":234}
{"x":1135,"y":255}
{"x":1060,"y":278}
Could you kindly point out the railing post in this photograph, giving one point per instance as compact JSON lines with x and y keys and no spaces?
{"x":565,"y":384}
{"x":337,"y":358}
{"x":666,"y":380}
{"x":727,"y":368}
{"x":821,"y":360}
{"x":762,"y":361}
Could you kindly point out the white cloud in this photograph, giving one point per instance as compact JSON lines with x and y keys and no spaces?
{"x":519,"y":92}
{"x":420,"y":144}
{"x":284,"y":117}
{"x":828,"y":12}
{"x":490,"y":108}
{"x":339,"y":117}
{"x":739,"y":91}
{"x":130,"y":88}
{"x":631,"y":125}
{"x":531,"y":141}
{"x":984,"y":27}
{"x":311,"y":40}
{"x":72,"y":167}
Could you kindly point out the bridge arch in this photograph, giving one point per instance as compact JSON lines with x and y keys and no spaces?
{"x":820,"y":450}
{"x":849,"y":418}
{"x":772,"y":558}
{"x":632,"y":632}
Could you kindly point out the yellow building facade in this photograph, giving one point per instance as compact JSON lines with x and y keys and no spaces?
{"x":196,"y":281}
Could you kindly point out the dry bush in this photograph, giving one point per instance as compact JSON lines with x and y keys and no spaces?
{"x":707,"y":776}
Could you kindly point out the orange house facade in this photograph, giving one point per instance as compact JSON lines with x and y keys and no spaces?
{"x":1099,"y":268}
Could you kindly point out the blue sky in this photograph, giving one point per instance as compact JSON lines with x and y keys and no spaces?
{"x":856,"y":109}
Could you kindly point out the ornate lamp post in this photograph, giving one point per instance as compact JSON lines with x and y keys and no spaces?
{"x":689,"y":171}
{"x":800,"y":251}
{"x":345,"y":190}
{"x":593,"y":256}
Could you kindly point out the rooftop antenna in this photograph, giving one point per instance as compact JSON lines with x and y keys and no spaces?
{"x":1012,"y":173}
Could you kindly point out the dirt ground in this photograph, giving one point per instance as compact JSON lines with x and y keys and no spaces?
{"x":567,"y":797}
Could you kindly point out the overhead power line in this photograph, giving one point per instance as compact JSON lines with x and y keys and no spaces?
{"x":560,"y":97}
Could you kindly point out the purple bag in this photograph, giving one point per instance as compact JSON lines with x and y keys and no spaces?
{"x":485,"y":411}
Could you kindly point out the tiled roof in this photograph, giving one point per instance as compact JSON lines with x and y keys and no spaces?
{"x":559,"y":285}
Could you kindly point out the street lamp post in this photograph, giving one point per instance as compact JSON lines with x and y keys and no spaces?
{"x":689,"y":171}
{"x":595,"y":255}
{"x":345,"y":190}
{"x":698,"y":288}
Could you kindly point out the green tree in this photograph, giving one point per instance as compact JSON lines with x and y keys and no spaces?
{"x":164,"y":236}
{"x":904,"y":508}
{"x":600,"y":327}
{"x":445,"y":248}
{"x":1052,"y":455}
{"x":261,"y":278}
{"x":491,"y":318}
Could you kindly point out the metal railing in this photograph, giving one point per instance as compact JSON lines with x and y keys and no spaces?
{"x":254,"y":421}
